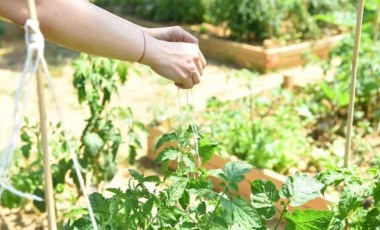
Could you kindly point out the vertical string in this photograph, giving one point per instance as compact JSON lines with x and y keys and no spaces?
{"x":190,"y":117}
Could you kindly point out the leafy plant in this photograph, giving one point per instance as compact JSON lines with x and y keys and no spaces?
{"x":271,"y":19}
{"x":95,"y":81}
{"x":265,"y":131}
{"x":185,"y":199}
{"x":27,"y":173}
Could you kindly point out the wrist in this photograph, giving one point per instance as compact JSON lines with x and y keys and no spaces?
{"x":152,"y":51}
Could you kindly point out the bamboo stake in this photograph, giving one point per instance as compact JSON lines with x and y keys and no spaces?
{"x":49,"y":196}
{"x":376,"y":24}
{"x":359,"y":20}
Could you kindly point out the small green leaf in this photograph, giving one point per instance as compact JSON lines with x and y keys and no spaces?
{"x":93,"y":144}
{"x":177,"y":189}
{"x":264,"y":195}
{"x":184,"y":200}
{"x":153,"y":179}
{"x":308,"y":220}
{"x":169,"y":137}
{"x":148,"y":206}
{"x":300,"y":189}
{"x":168,"y":154}
{"x":239,"y":211}
{"x":138,"y":176}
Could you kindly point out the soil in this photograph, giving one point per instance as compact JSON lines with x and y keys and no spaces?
{"x":144,"y":94}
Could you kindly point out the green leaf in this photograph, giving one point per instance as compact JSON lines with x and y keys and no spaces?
{"x":206,"y":150}
{"x":239,"y":211}
{"x":350,"y":199}
{"x":138,"y":176}
{"x":184,"y":200}
{"x":122,"y":71}
{"x":148,"y":206}
{"x":169,"y":137}
{"x":153,"y":179}
{"x":308,"y":220}
{"x":93,"y":144}
{"x":235,"y":170}
{"x":168,"y":154}
{"x":25,"y":149}
{"x":264,"y":195}
{"x":177,"y":189}
{"x":372,"y":219}
{"x":300,"y":189}
{"x":99,"y":203}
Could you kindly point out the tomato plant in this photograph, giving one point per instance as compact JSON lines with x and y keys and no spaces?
{"x":185,"y":199}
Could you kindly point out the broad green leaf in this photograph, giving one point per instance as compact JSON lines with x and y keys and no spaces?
{"x":308,"y":220}
{"x":239,"y":211}
{"x":263,"y":195}
{"x":169,"y":137}
{"x":206,"y":150}
{"x":93,"y":144}
{"x":300,"y":189}
{"x":235,"y":170}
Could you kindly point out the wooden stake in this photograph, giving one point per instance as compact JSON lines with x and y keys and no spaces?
{"x":359,"y":20}
{"x":49,"y":196}
{"x":376,"y":23}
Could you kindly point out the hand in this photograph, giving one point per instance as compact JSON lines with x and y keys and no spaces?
{"x":172,"y":34}
{"x":180,"y":62}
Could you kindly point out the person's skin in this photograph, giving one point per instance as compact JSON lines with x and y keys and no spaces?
{"x":171,"y":52}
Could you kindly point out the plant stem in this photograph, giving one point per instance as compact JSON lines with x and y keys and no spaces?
{"x":284,"y":211}
{"x":216,"y":208}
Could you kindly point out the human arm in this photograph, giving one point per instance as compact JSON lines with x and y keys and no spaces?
{"x":82,"y":26}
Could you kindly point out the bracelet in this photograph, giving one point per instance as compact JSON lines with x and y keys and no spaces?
{"x":143,"y":54}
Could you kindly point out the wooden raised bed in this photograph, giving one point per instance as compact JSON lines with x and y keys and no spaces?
{"x":217,"y":162}
{"x":257,"y":57}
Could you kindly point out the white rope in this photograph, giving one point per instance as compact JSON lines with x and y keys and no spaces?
{"x":35,"y":45}
{"x":190,"y":116}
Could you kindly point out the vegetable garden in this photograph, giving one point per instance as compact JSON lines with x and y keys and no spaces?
{"x":299,"y":132}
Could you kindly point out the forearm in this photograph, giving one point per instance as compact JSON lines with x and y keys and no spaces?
{"x":81,"y":26}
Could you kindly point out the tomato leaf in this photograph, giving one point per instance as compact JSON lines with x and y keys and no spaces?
{"x":308,"y":220}
{"x":300,"y":189}
{"x":263,"y":195}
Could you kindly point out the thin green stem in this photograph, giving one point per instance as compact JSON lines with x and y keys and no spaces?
{"x":284,"y":211}
{"x":216,"y":208}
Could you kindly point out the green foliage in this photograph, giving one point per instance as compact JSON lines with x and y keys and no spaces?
{"x":95,"y":80}
{"x":265,"y":131}
{"x":185,"y":198}
{"x":291,"y":20}
{"x":180,"y":11}
{"x":27,"y":174}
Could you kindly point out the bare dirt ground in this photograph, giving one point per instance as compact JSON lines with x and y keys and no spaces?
{"x":148,"y":95}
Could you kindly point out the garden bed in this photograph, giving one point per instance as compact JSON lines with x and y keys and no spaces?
{"x":258,"y":57}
